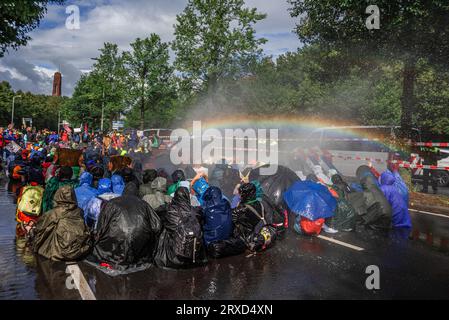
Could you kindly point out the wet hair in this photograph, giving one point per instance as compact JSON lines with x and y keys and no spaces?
{"x":248,"y":192}
{"x":178,"y":175}
{"x":65,"y":173}
{"x":149,"y":175}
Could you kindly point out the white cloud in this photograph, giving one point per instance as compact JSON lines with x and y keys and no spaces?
{"x":118,"y":22}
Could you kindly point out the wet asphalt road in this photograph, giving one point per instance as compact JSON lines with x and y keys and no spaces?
{"x":411,"y":266}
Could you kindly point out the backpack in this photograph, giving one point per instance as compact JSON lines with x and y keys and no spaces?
{"x":264,"y":233}
{"x":31,"y":200}
{"x":85,"y":137}
{"x":188,"y":239}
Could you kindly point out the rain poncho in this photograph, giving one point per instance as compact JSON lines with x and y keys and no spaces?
{"x":118,"y":184}
{"x":50,"y":189}
{"x":253,"y":220}
{"x":345,"y":215}
{"x":275,"y":185}
{"x":104,"y":186}
{"x":85,"y":191}
{"x":61,"y":233}
{"x":373,"y":209}
{"x":158,"y":197}
{"x":180,"y":244}
{"x":400,"y":217}
{"x":401,"y":186}
{"x":127,"y":233}
{"x":217,"y":216}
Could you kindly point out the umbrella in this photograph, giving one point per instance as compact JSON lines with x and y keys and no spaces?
{"x":310,"y":200}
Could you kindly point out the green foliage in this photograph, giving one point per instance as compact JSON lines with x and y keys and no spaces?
{"x":43,"y":109}
{"x":19,"y":17}
{"x":215,"y":39}
{"x":409,"y":31}
{"x":149,"y":76}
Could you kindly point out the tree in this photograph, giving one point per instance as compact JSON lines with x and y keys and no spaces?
{"x":409,"y":30}
{"x":19,"y":17}
{"x":6,"y":95}
{"x":213,"y":40}
{"x":149,"y":74}
{"x":110,"y":74}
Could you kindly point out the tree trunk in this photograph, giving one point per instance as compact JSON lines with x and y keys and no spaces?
{"x":408,"y":97}
{"x":142,"y":110}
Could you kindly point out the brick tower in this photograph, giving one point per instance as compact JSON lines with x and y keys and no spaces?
{"x":57,"y":83}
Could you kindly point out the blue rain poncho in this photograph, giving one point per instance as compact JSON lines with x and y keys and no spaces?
{"x":84,"y":192}
{"x":217,"y":216}
{"x":400,"y":214}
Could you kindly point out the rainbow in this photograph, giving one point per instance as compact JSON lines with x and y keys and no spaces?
{"x":289,"y":122}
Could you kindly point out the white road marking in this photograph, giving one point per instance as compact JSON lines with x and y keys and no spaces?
{"x":344,"y":244}
{"x":430,"y":213}
{"x":80,"y":282}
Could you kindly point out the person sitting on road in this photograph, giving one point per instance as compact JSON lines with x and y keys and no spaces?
{"x":126,"y":234}
{"x":61,"y":234}
{"x":177,"y":176}
{"x":64,"y":178}
{"x":148,"y":178}
{"x":84,"y":192}
{"x":400,"y":214}
{"x":217,"y":216}
{"x":253,"y":223}
{"x":158,"y":195}
{"x":181,"y":241}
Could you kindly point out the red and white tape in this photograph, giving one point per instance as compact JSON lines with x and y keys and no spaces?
{"x":431,"y":144}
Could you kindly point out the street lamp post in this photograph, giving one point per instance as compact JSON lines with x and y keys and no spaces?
{"x":102,"y":113}
{"x":12,"y":111}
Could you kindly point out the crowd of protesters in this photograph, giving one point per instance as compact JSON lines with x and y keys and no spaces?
{"x":87,"y":197}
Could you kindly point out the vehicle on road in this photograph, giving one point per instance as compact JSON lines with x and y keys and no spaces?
{"x":163,"y":135}
{"x":352,"y":145}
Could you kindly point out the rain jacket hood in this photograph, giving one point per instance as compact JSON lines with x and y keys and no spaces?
{"x":86,"y":179}
{"x":118,"y":184}
{"x":104,"y":186}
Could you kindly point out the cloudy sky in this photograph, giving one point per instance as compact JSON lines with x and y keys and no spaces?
{"x":55,"y":47}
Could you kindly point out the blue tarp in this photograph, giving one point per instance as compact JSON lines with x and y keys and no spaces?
{"x":310,"y":200}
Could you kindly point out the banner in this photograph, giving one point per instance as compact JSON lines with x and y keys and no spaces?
{"x":13,"y":147}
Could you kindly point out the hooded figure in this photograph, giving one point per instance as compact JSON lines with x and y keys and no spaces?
{"x":104,"y":186}
{"x":217,"y":216}
{"x":180,"y":244}
{"x":401,"y":216}
{"x":253,"y":221}
{"x":158,"y":197}
{"x":177,"y":176}
{"x":61,"y":233}
{"x":64,"y":178}
{"x":85,"y":191}
{"x":127,"y":231}
{"x":118,"y":185}
{"x":373,"y":209}
{"x":148,"y":178}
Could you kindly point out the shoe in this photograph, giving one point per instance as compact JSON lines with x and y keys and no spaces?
{"x":329,"y":229}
